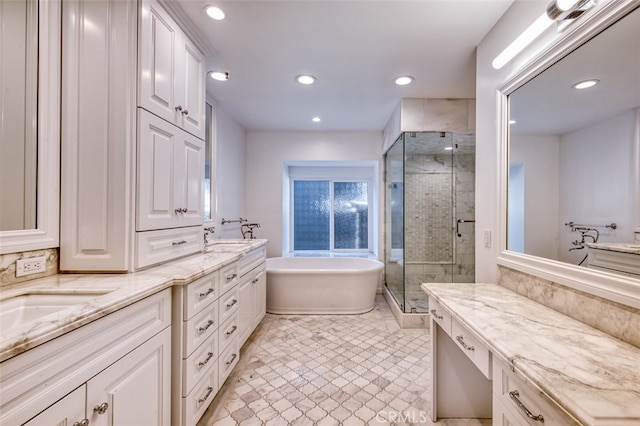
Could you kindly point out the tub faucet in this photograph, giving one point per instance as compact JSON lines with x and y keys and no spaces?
{"x":247,"y":229}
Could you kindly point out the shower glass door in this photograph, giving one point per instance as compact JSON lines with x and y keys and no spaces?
{"x":394,"y":221}
{"x":429,"y":214}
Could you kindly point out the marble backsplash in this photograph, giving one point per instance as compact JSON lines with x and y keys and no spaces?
{"x":615,"y":319}
{"x":8,"y":265}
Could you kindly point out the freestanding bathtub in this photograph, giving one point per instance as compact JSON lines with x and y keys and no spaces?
{"x":321,"y":285}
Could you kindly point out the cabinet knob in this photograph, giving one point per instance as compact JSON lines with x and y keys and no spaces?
{"x":101,"y":409}
{"x":179,"y":108}
{"x":83,"y":422}
{"x":185,"y":112}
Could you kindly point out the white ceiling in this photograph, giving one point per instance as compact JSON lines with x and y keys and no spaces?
{"x":354,"y":48}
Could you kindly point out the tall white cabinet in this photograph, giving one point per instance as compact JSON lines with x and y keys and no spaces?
{"x":133,"y":102}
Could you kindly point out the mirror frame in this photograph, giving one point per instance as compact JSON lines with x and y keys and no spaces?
{"x":46,"y":234}
{"x":619,"y":288}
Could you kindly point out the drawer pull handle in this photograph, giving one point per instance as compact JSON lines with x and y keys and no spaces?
{"x":83,"y":422}
{"x":206,"y":396}
{"x":206,"y":360}
{"x":514,"y":397}
{"x":233,"y":302}
{"x":460,"y":340}
{"x":233,"y":358}
{"x":101,"y":409}
{"x":205,"y":294}
{"x":435,"y":314}
{"x":233,"y":330}
{"x":203,"y":329}
{"x":179,"y":243}
{"x":230,"y":277}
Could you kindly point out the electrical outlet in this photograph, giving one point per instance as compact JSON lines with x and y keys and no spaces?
{"x":32,"y":265}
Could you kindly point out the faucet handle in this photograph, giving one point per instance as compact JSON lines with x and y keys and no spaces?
{"x":210,"y":229}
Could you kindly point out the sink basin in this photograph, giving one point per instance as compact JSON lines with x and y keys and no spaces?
{"x":29,"y":307}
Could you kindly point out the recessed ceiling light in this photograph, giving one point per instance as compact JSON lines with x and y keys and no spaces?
{"x":305,"y":79}
{"x":403,"y":80}
{"x":316,"y":119}
{"x":448,"y":148}
{"x":512,"y":121}
{"x":214,"y":12}
{"x":585,"y":84}
{"x":219,"y":75}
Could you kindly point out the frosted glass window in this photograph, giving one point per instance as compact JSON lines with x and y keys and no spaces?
{"x":330,"y":215}
{"x":311,"y":215}
{"x":351,"y":208}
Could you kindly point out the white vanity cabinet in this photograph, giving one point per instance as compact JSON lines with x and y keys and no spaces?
{"x":172,"y":74}
{"x":517,"y":403}
{"x":198,"y":349}
{"x":252,"y":292}
{"x":112,"y":371}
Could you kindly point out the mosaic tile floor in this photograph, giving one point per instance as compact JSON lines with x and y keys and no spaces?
{"x":329,"y":370}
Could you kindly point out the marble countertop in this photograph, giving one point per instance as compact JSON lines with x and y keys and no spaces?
{"x":113,"y":292}
{"x":620,"y":247}
{"x":591,"y":375}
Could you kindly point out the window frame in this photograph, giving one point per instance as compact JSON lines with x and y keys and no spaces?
{"x":333,"y":173}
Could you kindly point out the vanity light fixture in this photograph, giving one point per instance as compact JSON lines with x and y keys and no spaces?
{"x":214,"y":12}
{"x":306,"y":79}
{"x":403,"y":80}
{"x":561,"y":11}
{"x":219,"y":75}
{"x":316,"y":119}
{"x":585,"y":84}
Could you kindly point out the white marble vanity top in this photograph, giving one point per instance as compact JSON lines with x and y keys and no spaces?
{"x":620,"y":247}
{"x":121,"y":290}
{"x":591,"y":375}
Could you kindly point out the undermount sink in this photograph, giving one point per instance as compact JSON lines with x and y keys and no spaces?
{"x":29,"y":307}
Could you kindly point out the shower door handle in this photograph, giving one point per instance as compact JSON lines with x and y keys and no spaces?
{"x":459,"y":221}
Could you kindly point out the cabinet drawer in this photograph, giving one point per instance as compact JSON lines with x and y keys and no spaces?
{"x":440,"y":316}
{"x":198,"y":364}
{"x":167,"y":244}
{"x":472,"y":348}
{"x":201,"y":293}
{"x":228,"y":331}
{"x":516,"y":398}
{"x":228,"y":277}
{"x":199,"y":328}
{"x":251,"y":260}
{"x":196,"y":403}
{"x":228,"y":305}
{"x":228,"y":359}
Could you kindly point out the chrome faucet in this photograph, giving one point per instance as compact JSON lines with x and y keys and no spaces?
{"x":207,"y":231}
{"x":247,"y":229}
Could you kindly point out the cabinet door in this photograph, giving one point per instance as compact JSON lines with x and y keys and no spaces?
{"x":260,"y":294}
{"x":156,"y":208}
{"x":245,"y":310}
{"x":190,"y":87}
{"x":136,"y":390}
{"x":158,"y":37}
{"x":188,"y":179}
{"x":67,"y":411}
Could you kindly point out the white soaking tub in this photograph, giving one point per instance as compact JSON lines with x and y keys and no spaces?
{"x":322,"y":285}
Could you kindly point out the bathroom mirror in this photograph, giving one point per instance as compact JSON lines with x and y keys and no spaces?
{"x":29,"y":141}
{"x":572,"y":156}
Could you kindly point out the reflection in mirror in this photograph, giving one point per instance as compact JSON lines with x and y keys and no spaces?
{"x":18,"y":114}
{"x":572,"y":152}
{"x":208,"y":146}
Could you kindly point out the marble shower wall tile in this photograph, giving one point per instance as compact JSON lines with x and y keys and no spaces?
{"x":8,"y":265}
{"x":615,"y":319}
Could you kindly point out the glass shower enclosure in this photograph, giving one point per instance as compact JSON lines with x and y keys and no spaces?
{"x":429,"y":214}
